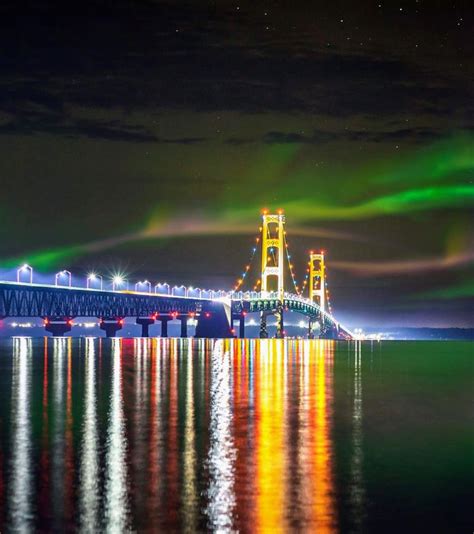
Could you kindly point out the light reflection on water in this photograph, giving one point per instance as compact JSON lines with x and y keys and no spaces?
{"x":225,"y":435}
{"x":357,"y":481}
{"x":89,"y":463}
{"x":116,"y":495}
{"x":58,"y":433}
{"x":221,"y":456}
{"x":21,"y":493}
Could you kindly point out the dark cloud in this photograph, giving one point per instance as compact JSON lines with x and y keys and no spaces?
{"x":416,"y":135}
{"x":110,"y":131}
{"x":171,"y":56}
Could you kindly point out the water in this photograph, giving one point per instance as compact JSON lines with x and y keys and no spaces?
{"x":253,"y":436}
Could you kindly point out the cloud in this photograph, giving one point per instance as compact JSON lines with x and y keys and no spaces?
{"x":69,"y":127}
{"x":155,"y":55}
{"x":417,"y":134}
{"x":402,"y":267}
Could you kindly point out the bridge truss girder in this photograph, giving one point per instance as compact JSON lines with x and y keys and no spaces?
{"x":34,"y":301}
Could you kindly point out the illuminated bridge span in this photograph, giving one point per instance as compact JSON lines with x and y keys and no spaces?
{"x":213,"y":312}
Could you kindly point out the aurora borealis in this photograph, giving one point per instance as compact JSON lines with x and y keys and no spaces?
{"x":147,"y":136}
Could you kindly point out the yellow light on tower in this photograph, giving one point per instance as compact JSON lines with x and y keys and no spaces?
{"x":317,"y":279}
{"x":273,"y":238}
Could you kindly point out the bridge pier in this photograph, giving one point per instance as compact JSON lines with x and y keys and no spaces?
{"x":242,"y":326}
{"x":164,"y":326}
{"x":280,"y":327}
{"x":263,"y":325}
{"x":111,"y":325}
{"x":184,"y":325}
{"x":145,"y":323}
{"x":214,"y":321}
{"x":311,"y":329}
{"x":57,"y":326}
{"x":329,"y":330}
{"x":241,"y":318}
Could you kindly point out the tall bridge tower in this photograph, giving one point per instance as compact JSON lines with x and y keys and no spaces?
{"x":317,"y":279}
{"x":273,"y":244}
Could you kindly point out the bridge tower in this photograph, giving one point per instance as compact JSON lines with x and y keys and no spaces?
{"x":273,"y":245}
{"x":317,"y":288}
{"x":317,"y":279}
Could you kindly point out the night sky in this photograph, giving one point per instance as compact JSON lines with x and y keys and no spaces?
{"x":146,"y":137}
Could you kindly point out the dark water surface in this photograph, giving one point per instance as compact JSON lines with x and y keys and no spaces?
{"x":253,"y":436}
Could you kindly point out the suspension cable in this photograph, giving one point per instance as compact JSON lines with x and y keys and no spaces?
{"x":241,"y":281}
{"x":290,"y":265}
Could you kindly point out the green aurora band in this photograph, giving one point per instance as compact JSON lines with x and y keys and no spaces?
{"x":462,"y":290}
{"x":309,"y":196}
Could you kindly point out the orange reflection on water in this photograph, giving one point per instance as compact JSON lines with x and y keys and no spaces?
{"x":172,"y":461}
{"x":189,"y":489}
{"x":245,"y":486}
{"x":155,"y":445}
{"x":270,"y":436}
{"x":283,"y":476}
{"x":323,"y":517}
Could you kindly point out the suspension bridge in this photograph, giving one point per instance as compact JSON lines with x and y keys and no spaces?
{"x":213,"y":313}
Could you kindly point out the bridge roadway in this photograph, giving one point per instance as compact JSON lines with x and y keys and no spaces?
{"x":214,"y":312}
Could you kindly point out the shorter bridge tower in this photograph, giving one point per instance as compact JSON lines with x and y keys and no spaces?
{"x":317,"y":279}
{"x":273,"y":245}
